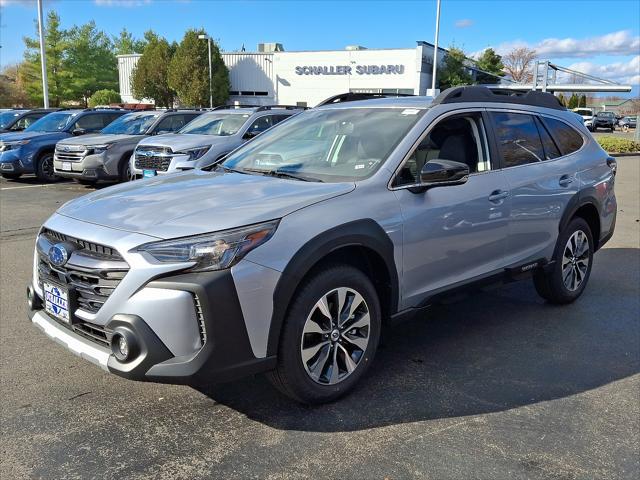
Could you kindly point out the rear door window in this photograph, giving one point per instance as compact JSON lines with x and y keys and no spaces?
{"x":92,"y":122}
{"x":518,"y":139}
{"x":567,"y":138}
{"x":550,"y":148}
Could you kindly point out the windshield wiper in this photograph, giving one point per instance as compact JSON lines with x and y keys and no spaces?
{"x":225,"y":168}
{"x":281,"y":174}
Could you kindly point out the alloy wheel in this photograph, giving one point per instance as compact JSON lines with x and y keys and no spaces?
{"x":335,"y":336}
{"x":47,"y":168}
{"x":575,"y":260}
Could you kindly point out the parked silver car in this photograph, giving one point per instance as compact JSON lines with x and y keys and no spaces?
{"x":105,"y":156}
{"x":289,"y":256}
{"x":206,"y":140}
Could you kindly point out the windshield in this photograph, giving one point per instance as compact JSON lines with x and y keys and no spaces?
{"x":131,"y":124}
{"x":582,"y":111}
{"x":219,"y":124}
{"x":7,"y":118}
{"x":54,"y":122}
{"x":333,"y":145}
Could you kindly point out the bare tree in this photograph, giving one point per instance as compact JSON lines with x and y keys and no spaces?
{"x":518,"y":62}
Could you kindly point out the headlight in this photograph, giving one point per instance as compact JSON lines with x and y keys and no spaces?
{"x":212,"y":251}
{"x":195,"y":153}
{"x":4,"y":146}
{"x":95,"y":149}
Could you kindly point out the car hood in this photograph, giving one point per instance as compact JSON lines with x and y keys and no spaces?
{"x":182,"y":141}
{"x":99,"y":139}
{"x":196,"y":201}
{"x":16,"y":136}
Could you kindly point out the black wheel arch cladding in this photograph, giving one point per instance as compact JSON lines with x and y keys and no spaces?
{"x":365,"y":233}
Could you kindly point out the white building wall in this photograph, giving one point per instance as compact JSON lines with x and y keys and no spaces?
{"x":126,"y":64}
{"x":251,"y":76}
{"x":310,"y":77}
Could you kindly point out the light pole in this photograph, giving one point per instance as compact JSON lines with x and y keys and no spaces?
{"x":435,"y":50}
{"x":43,"y":58}
{"x":208,"y":39}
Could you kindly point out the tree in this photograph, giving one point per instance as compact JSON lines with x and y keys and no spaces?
{"x":91,"y":62}
{"x":150,"y":77}
{"x":453,"y":72}
{"x":104,"y":97}
{"x":491,"y":63}
{"x":518,"y":62}
{"x":562,"y":100}
{"x":573,"y":101}
{"x":125,"y":43}
{"x":189,"y":72}
{"x":55,"y":40}
{"x":583,"y":101}
{"x":12,"y":91}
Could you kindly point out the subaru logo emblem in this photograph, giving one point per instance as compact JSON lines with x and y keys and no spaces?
{"x":66,"y":149}
{"x":147,"y":153}
{"x":58,"y":255}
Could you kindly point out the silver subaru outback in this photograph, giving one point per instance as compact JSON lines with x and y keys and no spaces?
{"x":289,"y":256}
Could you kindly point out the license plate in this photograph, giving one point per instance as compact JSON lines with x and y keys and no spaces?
{"x":56,"y":301}
{"x":149,"y":173}
{"x":66,"y":166}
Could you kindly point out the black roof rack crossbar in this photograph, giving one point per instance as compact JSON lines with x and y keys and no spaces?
{"x":286,"y":107}
{"x":353,"y":96}
{"x":478,"y":93}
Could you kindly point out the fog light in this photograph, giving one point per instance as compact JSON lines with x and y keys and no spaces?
{"x":124,"y":345}
{"x":33,"y":300}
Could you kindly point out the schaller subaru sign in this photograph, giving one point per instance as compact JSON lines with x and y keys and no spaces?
{"x":348,"y":70}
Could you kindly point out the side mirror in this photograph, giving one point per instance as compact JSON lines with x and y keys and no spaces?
{"x":78,"y":131}
{"x":443,"y":173}
{"x":249,"y":135}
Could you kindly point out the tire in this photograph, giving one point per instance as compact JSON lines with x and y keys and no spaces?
{"x":560,"y":285}
{"x":307,"y":334}
{"x":11,"y":176}
{"x":125,"y":170}
{"x":44,"y":168}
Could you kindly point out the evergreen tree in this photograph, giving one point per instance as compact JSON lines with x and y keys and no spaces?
{"x":189,"y":72}
{"x":150,"y":77}
{"x":489,"y":62}
{"x":125,"y":43}
{"x":453,"y":72}
{"x":55,"y":40}
{"x":573,"y":102}
{"x":583,"y":101}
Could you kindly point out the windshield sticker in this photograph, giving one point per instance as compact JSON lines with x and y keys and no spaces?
{"x":410,"y":111}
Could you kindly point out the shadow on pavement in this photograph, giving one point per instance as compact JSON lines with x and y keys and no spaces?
{"x":491,"y":352}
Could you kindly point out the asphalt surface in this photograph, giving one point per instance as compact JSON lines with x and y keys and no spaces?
{"x":498,"y":385}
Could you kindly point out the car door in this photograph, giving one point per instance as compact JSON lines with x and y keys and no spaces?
{"x":541,"y":182}
{"x":452,"y":234}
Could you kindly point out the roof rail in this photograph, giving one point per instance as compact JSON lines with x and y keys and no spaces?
{"x":353,"y":96}
{"x":225,"y":107}
{"x":96,"y":109}
{"x":285,"y":107}
{"x":478,"y":93}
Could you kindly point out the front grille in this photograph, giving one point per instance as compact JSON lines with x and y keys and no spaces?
{"x":92,"y":272}
{"x":153,"y":158}
{"x":70,"y":155}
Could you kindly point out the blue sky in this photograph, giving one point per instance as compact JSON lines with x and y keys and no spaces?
{"x":596,"y":36}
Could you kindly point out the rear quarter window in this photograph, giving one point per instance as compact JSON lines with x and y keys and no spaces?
{"x":566,"y":137}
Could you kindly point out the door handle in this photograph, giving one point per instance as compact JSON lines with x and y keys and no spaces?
{"x":565,"y":180}
{"x":498,"y":195}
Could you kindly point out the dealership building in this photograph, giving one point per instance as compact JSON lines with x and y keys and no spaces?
{"x":274,"y":76}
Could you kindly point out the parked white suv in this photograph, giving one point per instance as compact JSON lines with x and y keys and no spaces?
{"x":205,"y":140}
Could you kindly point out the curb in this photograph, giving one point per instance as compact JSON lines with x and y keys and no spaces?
{"x":624,"y":154}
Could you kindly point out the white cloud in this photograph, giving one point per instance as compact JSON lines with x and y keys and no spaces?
{"x":464,"y":23}
{"x":122,"y":3}
{"x":622,"y":72}
{"x":615,"y":43}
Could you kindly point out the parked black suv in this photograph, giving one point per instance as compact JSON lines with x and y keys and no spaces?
{"x":606,"y":120}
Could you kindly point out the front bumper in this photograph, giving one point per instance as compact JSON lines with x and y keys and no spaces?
{"x":226,"y":353}
{"x":91,"y":167}
{"x":10,"y":162}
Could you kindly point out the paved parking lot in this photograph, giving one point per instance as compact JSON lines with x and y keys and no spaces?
{"x":499,"y":385}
